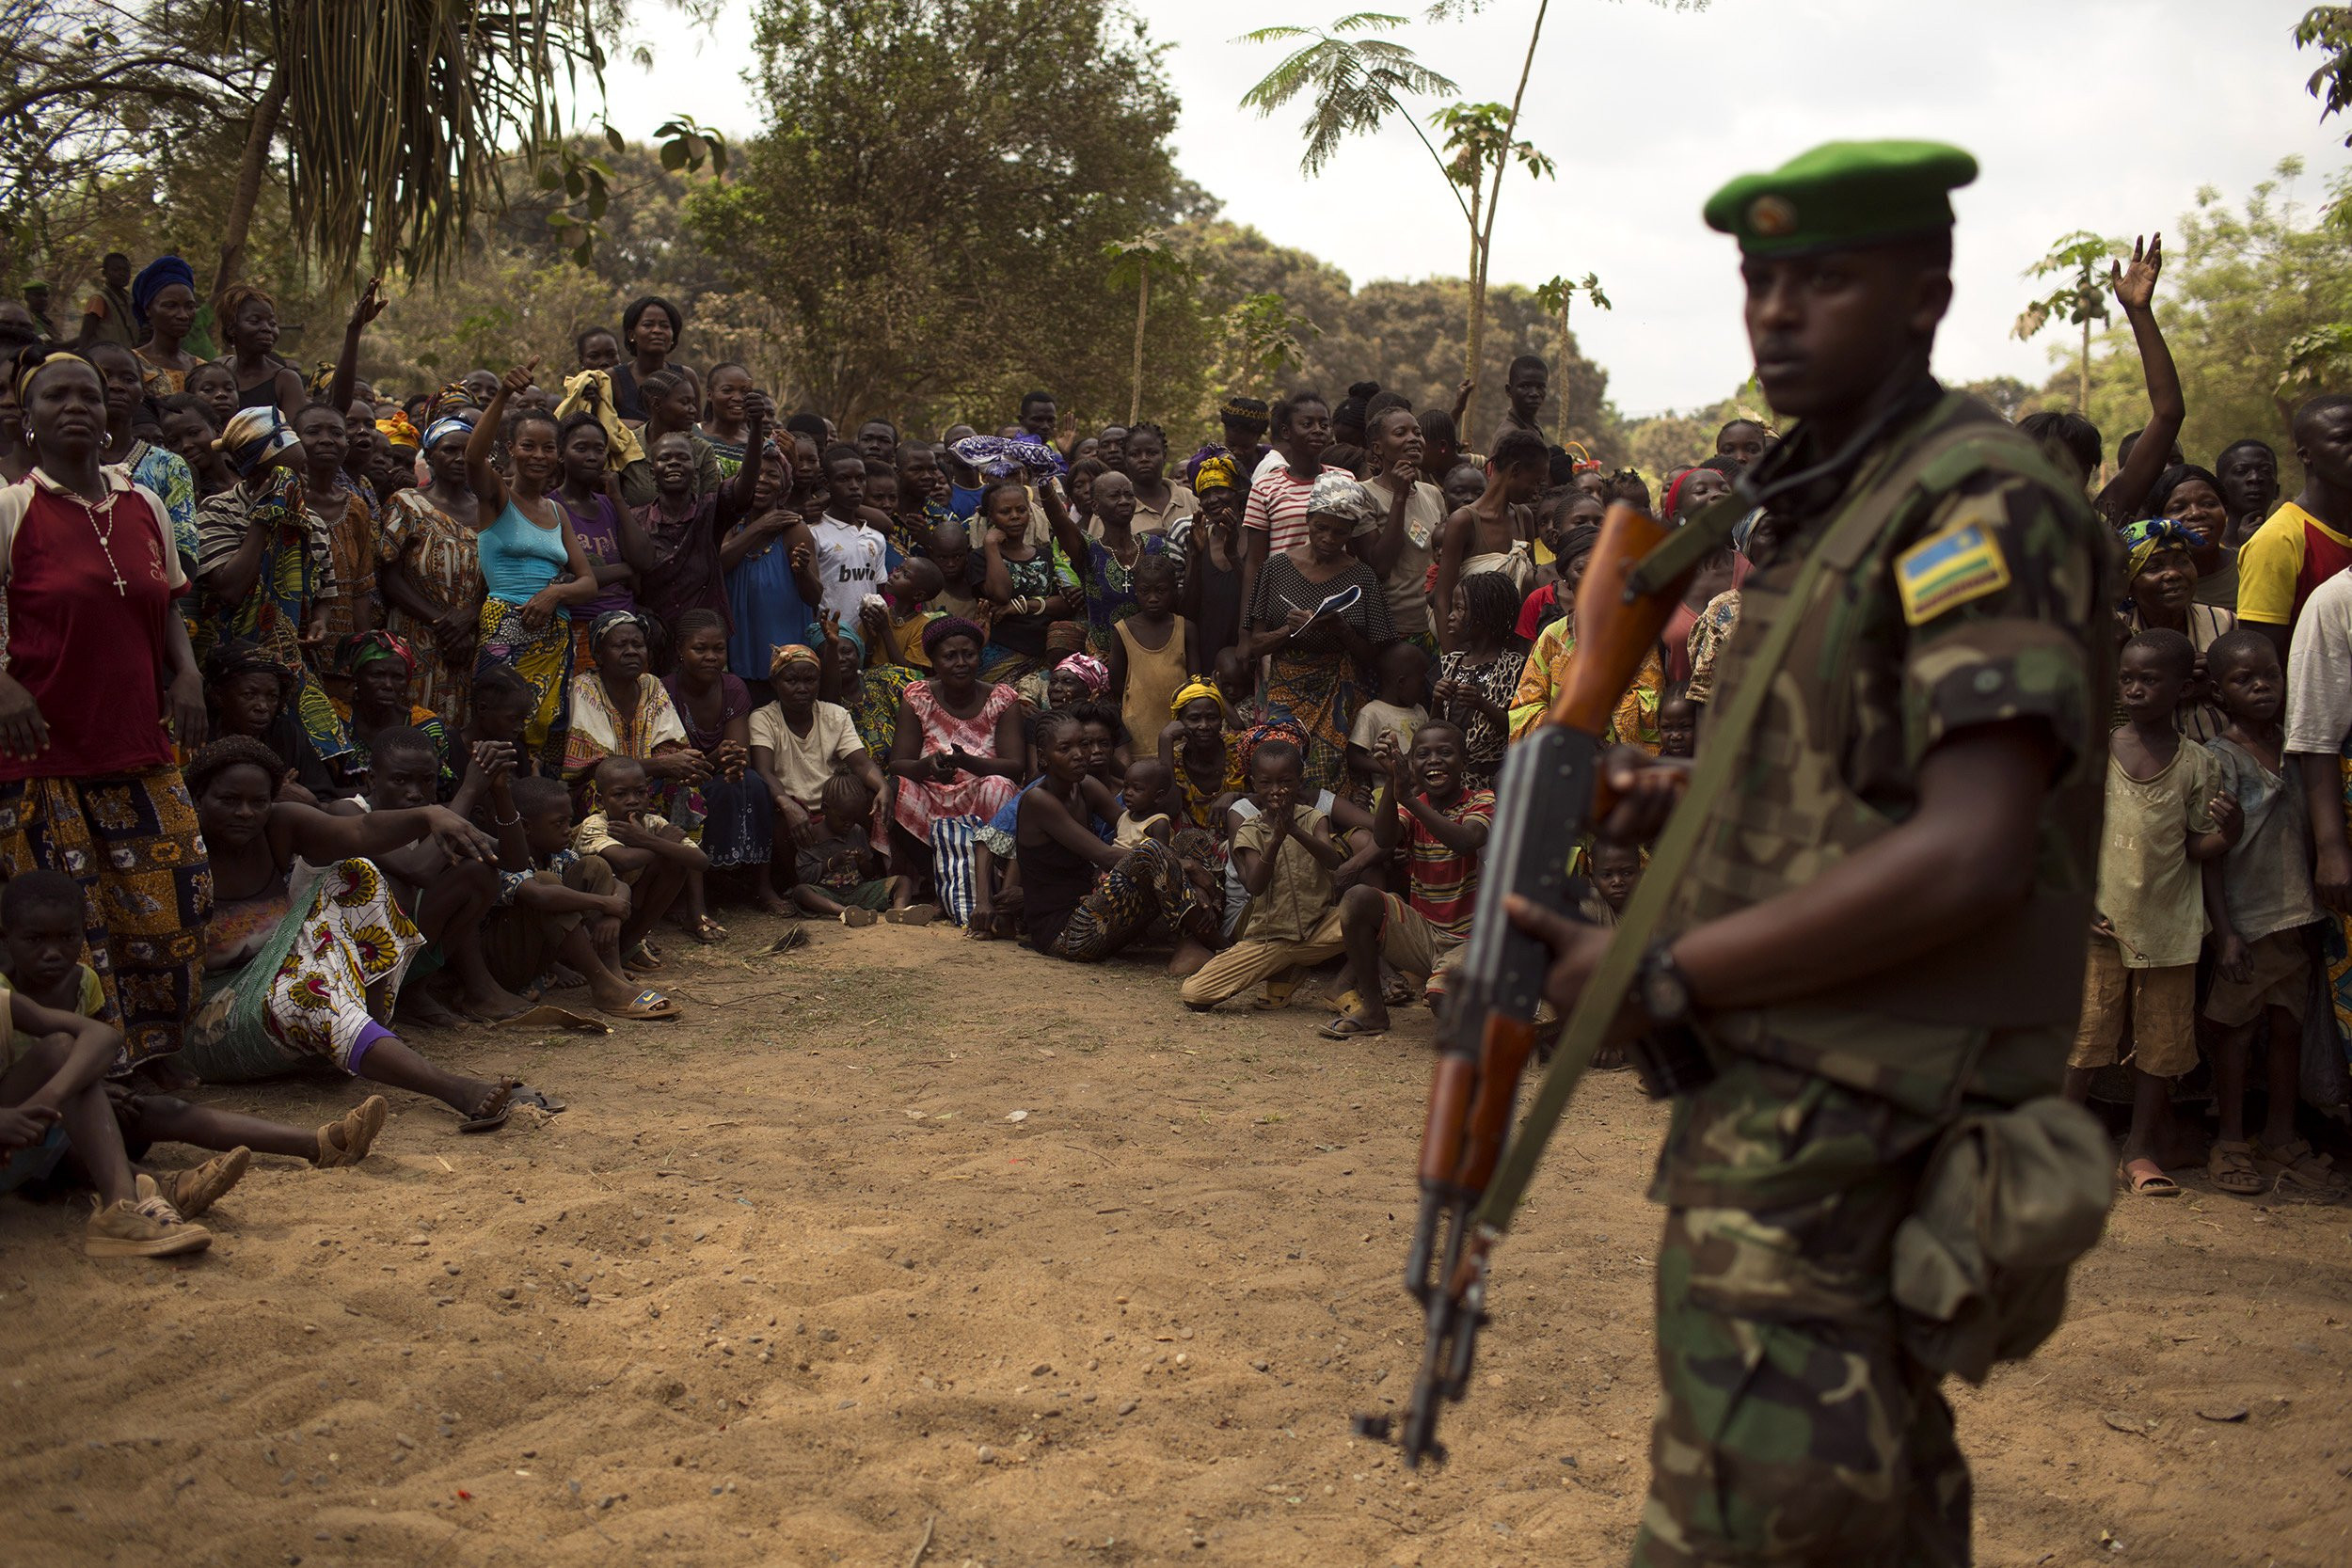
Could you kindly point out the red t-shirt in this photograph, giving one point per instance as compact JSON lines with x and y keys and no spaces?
{"x":1442,"y":883}
{"x":91,"y":654}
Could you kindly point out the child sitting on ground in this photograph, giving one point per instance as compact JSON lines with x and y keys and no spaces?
{"x":840,"y":874}
{"x":52,"y":1097}
{"x":2167,"y":811}
{"x":644,"y":849}
{"x":1140,"y":793}
{"x":1284,"y":857}
{"x":1395,"y":714}
{"x":1428,"y":807}
{"x":557,"y":904}
{"x":41,"y":913}
{"x":2263,"y":967}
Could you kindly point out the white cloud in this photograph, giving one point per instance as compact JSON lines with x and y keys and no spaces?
{"x":2104,"y":116}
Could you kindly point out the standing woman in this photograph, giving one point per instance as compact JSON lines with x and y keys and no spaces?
{"x":2192,"y":497}
{"x":1412,"y":515}
{"x":152,"y":467}
{"x":429,"y":572}
{"x":595,"y":522}
{"x":99,"y":683}
{"x":1161,"y":507}
{"x":1213,"y":563}
{"x":189,"y":429}
{"x":248,"y":325}
{"x":650,"y":329}
{"x":265,"y":569}
{"x":1316,"y":662}
{"x":1274,"y":520}
{"x":347,"y":522}
{"x":532,"y":568}
{"x":724,"y":425}
{"x":163,"y":298}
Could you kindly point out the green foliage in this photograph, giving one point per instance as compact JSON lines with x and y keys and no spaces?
{"x":1354,"y":85}
{"x":1475,"y":134}
{"x":2082,"y":298}
{"x":930,"y":202}
{"x":2328,"y":28}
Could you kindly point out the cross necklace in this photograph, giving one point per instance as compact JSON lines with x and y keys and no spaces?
{"x":106,"y":538}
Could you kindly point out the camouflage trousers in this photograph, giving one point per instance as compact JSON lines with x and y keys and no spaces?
{"x":1793,"y":1427}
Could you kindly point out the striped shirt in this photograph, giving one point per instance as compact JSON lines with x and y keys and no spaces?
{"x":1442,"y":883}
{"x":1277,"y":507}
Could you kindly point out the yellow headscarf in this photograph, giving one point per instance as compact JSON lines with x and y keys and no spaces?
{"x":1191,"y":691}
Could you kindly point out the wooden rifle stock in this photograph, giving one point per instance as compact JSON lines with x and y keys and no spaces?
{"x":1614,"y":633}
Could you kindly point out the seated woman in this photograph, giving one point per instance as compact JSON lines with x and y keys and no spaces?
{"x":383,"y":670}
{"x":619,"y":710}
{"x":797,"y":743}
{"x":250,"y":693}
{"x":1084,"y":899}
{"x":1315,"y":675}
{"x":957,"y":752}
{"x":728,"y":813}
{"x":290,"y":982}
{"x":1204,"y":767}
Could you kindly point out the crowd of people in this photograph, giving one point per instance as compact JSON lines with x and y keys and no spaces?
{"x":330,"y":713}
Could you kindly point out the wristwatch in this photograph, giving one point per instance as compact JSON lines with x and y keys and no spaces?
{"x":1660,"y":989}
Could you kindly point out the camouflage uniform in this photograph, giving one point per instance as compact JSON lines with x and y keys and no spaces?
{"x":1966,"y":584}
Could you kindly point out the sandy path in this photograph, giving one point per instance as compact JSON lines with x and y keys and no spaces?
{"x":742,"y":1304}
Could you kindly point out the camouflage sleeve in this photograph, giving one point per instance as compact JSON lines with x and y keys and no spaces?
{"x":2004,"y":593}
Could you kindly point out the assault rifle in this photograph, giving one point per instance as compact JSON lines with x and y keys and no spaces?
{"x":1550,"y":791}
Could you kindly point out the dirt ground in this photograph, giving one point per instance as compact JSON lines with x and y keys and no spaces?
{"x":1078,"y":1278}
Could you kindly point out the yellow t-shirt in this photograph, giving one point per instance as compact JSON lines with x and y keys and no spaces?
{"x":2291,"y":554}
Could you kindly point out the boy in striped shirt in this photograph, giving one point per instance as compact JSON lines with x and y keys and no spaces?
{"x":1442,"y":825}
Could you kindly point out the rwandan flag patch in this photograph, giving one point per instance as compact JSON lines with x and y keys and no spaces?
{"x":1948,"y":571}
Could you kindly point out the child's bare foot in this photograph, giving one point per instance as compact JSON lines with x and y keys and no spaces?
{"x":419,"y":1008}
{"x":491,"y":1005}
{"x":771,"y":902}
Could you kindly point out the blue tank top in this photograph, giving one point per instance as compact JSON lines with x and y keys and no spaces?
{"x":520,"y":557}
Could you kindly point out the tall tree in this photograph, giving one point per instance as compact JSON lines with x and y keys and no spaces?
{"x":931,"y":200}
{"x":1137,"y":261}
{"x":2081,"y":296}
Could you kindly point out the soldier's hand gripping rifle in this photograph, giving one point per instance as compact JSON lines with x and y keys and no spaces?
{"x":1548,"y":794}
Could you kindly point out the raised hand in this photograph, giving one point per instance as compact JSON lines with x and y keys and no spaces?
{"x":2136,"y":285}
{"x":519,"y":378}
{"x":370,"y":303}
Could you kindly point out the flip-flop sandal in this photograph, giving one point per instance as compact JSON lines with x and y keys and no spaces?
{"x":707,"y":931}
{"x":511,"y":1092}
{"x":648,"y":1006}
{"x":857,"y":920}
{"x":1277,"y":997}
{"x":913,"y":915}
{"x":2231,"y":1168}
{"x":2150,"y":1182}
{"x":550,"y":1015}
{"x":1345,"y":1002}
{"x":643,"y":957}
{"x":1349,"y":1028}
{"x":345,"y":1141}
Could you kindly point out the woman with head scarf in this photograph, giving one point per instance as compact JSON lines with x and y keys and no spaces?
{"x":398,"y":447}
{"x":251,"y":693}
{"x":382,"y":669}
{"x":265,"y":571}
{"x":1211,"y":595}
{"x":2192,"y":498}
{"x":99,"y":683}
{"x":1318,"y":657}
{"x":2160,"y":575}
{"x":162,"y":300}
{"x":429,"y":572}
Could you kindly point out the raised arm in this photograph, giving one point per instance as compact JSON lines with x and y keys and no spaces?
{"x":370,"y":306}
{"x":2136,"y":291}
{"x":482,"y":445}
{"x":321,"y":839}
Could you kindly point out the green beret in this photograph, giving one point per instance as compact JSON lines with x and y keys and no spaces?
{"x":1842,"y":193}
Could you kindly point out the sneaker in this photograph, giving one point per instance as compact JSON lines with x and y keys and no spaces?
{"x":346,"y":1140}
{"x":192,"y":1191}
{"x":144,"y":1227}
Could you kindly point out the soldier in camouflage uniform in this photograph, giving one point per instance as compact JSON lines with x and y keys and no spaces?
{"x":1883,"y":928}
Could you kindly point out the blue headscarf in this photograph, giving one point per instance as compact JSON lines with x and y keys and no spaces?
{"x":1003,"y":456}
{"x":442,"y":430}
{"x":154,"y":278}
{"x":2142,"y":540}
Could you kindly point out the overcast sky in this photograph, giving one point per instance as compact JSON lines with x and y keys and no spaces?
{"x":2085,"y":113}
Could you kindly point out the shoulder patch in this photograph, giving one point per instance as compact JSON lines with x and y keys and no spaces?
{"x":1947,"y":571}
